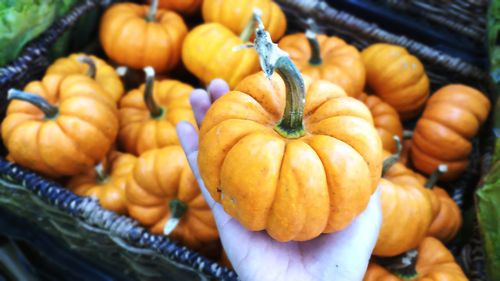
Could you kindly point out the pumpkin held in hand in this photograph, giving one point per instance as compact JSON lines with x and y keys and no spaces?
{"x":148,"y":115}
{"x":396,"y":77}
{"x":138,"y":36}
{"x":291,"y":167}
{"x":213,"y":51}
{"x":431,"y":261}
{"x":61,"y":125}
{"x":106,"y":182}
{"x":386,"y":120}
{"x":93,"y":67}
{"x":163,"y":195}
{"x":235,"y":14}
{"x":326,"y":58}
{"x":451,"y":118}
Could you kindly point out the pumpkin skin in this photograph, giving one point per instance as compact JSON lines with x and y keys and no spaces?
{"x":341,"y":63}
{"x":386,"y":120}
{"x":130,"y":40}
{"x":406,"y":217}
{"x":110,"y":191}
{"x":140,"y":130}
{"x":397,"y":77}
{"x":105,"y":74}
{"x":208,"y":53}
{"x":160,"y":176}
{"x":235,"y":15}
{"x":434,"y":263}
{"x":446,"y":224}
{"x":451,"y":118}
{"x":187,"y":7}
{"x":337,"y":163}
{"x":72,"y":141}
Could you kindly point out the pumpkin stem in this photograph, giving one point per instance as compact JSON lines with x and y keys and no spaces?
{"x":249,"y":27}
{"x":315,"y":58}
{"x":91,"y":72}
{"x":403,"y":266}
{"x":407,"y":134}
{"x":121,"y":70}
{"x":49,"y":110}
{"x":100,"y":172}
{"x":151,"y":15}
{"x":273,"y":58}
{"x":177,"y":210}
{"x":433,"y":178}
{"x":391,"y":160}
{"x":155,"y":110}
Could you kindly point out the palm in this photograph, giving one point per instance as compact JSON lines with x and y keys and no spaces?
{"x":342,"y":255}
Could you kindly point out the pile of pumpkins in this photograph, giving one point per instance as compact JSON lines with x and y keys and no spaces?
{"x":277,"y":142}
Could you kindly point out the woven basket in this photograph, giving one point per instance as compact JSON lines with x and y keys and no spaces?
{"x":120,"y":244}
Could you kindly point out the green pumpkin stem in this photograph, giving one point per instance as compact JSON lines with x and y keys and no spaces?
{"x":91,"y":72}
{"x":407,"y":134}
{"x":153,"y":8}
{"x":177,"y":210}
{"x":249,"y":27}
{"x":100,"y":172}
{"x":49,"y":110}
{"x":155,"y":110}
{"x":391,"y":160}
{"x":403,"y":266}
{"x":433,"y":178}
{"x":315,"y":58}
{"x":273,"y":58}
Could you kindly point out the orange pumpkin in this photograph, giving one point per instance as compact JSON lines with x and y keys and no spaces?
{"x":163,"y":195}
{"x":451,"y":118}
{"x":386,"y":120}
{"x":149,"y":114}
{"x":92,"y":66}
{"x":212,"y":51}
{"x":397,"y":77}
{"x":138,"y":36}
{"x":327,"y":58}
{"x":61,"y":125}
{"x":187,"y":7}
{"x":106,"y":182}
{"x":431,"y":262}
{"x":316,"y":162}
{"x":235,"y":14}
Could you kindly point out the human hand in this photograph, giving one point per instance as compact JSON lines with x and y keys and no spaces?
{"x":343,"y":255}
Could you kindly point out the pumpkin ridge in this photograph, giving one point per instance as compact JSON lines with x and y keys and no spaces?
{"x":72,"y":141}
{"x":58,"y":121}
{"x":271,"y":208}
{"x":433,"y":149}
{"x":48,"y":167}
{"x":125,"y":18}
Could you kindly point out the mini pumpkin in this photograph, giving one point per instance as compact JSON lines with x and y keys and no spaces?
{"x":93,"y":67}
{"x":397,"y":77}
{"x":327,"y":58}
{"x":235,"y":14}
{"x":149,"y":114}
{"x":138,"y":36}
{"x":432,"y":261}
{"x":187,"y":7}
{"x":106,"y":182}
{"x":451,"y":118}
{"x":61,"y":125}
{"x":315,"y":163}
{"x":212,"y":51}
{"x":386,"y":120}
{"x":163,"y":195}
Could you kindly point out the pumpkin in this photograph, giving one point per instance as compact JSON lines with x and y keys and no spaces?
{"x":432,"y":261}
{"x":235,"y":14}
{"x":187,"y":7}
{"x":291,"y":167}
{"x":212,"y":51}
{"x":326,"y":58}
{"x":149,"y":114}
{"x":106,"y":182}
{"x":163,"y":195}
{"x":397,"y":77}
{"x":92,"y":66}
{"x":451,"y":118}
{"x":386,"y":120}
{"x":138,"y":36}
{"x":61,"y":125}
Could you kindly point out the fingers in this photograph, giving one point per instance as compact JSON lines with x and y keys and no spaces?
{"x":200,"y":102}
{"x":217,"y":88}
